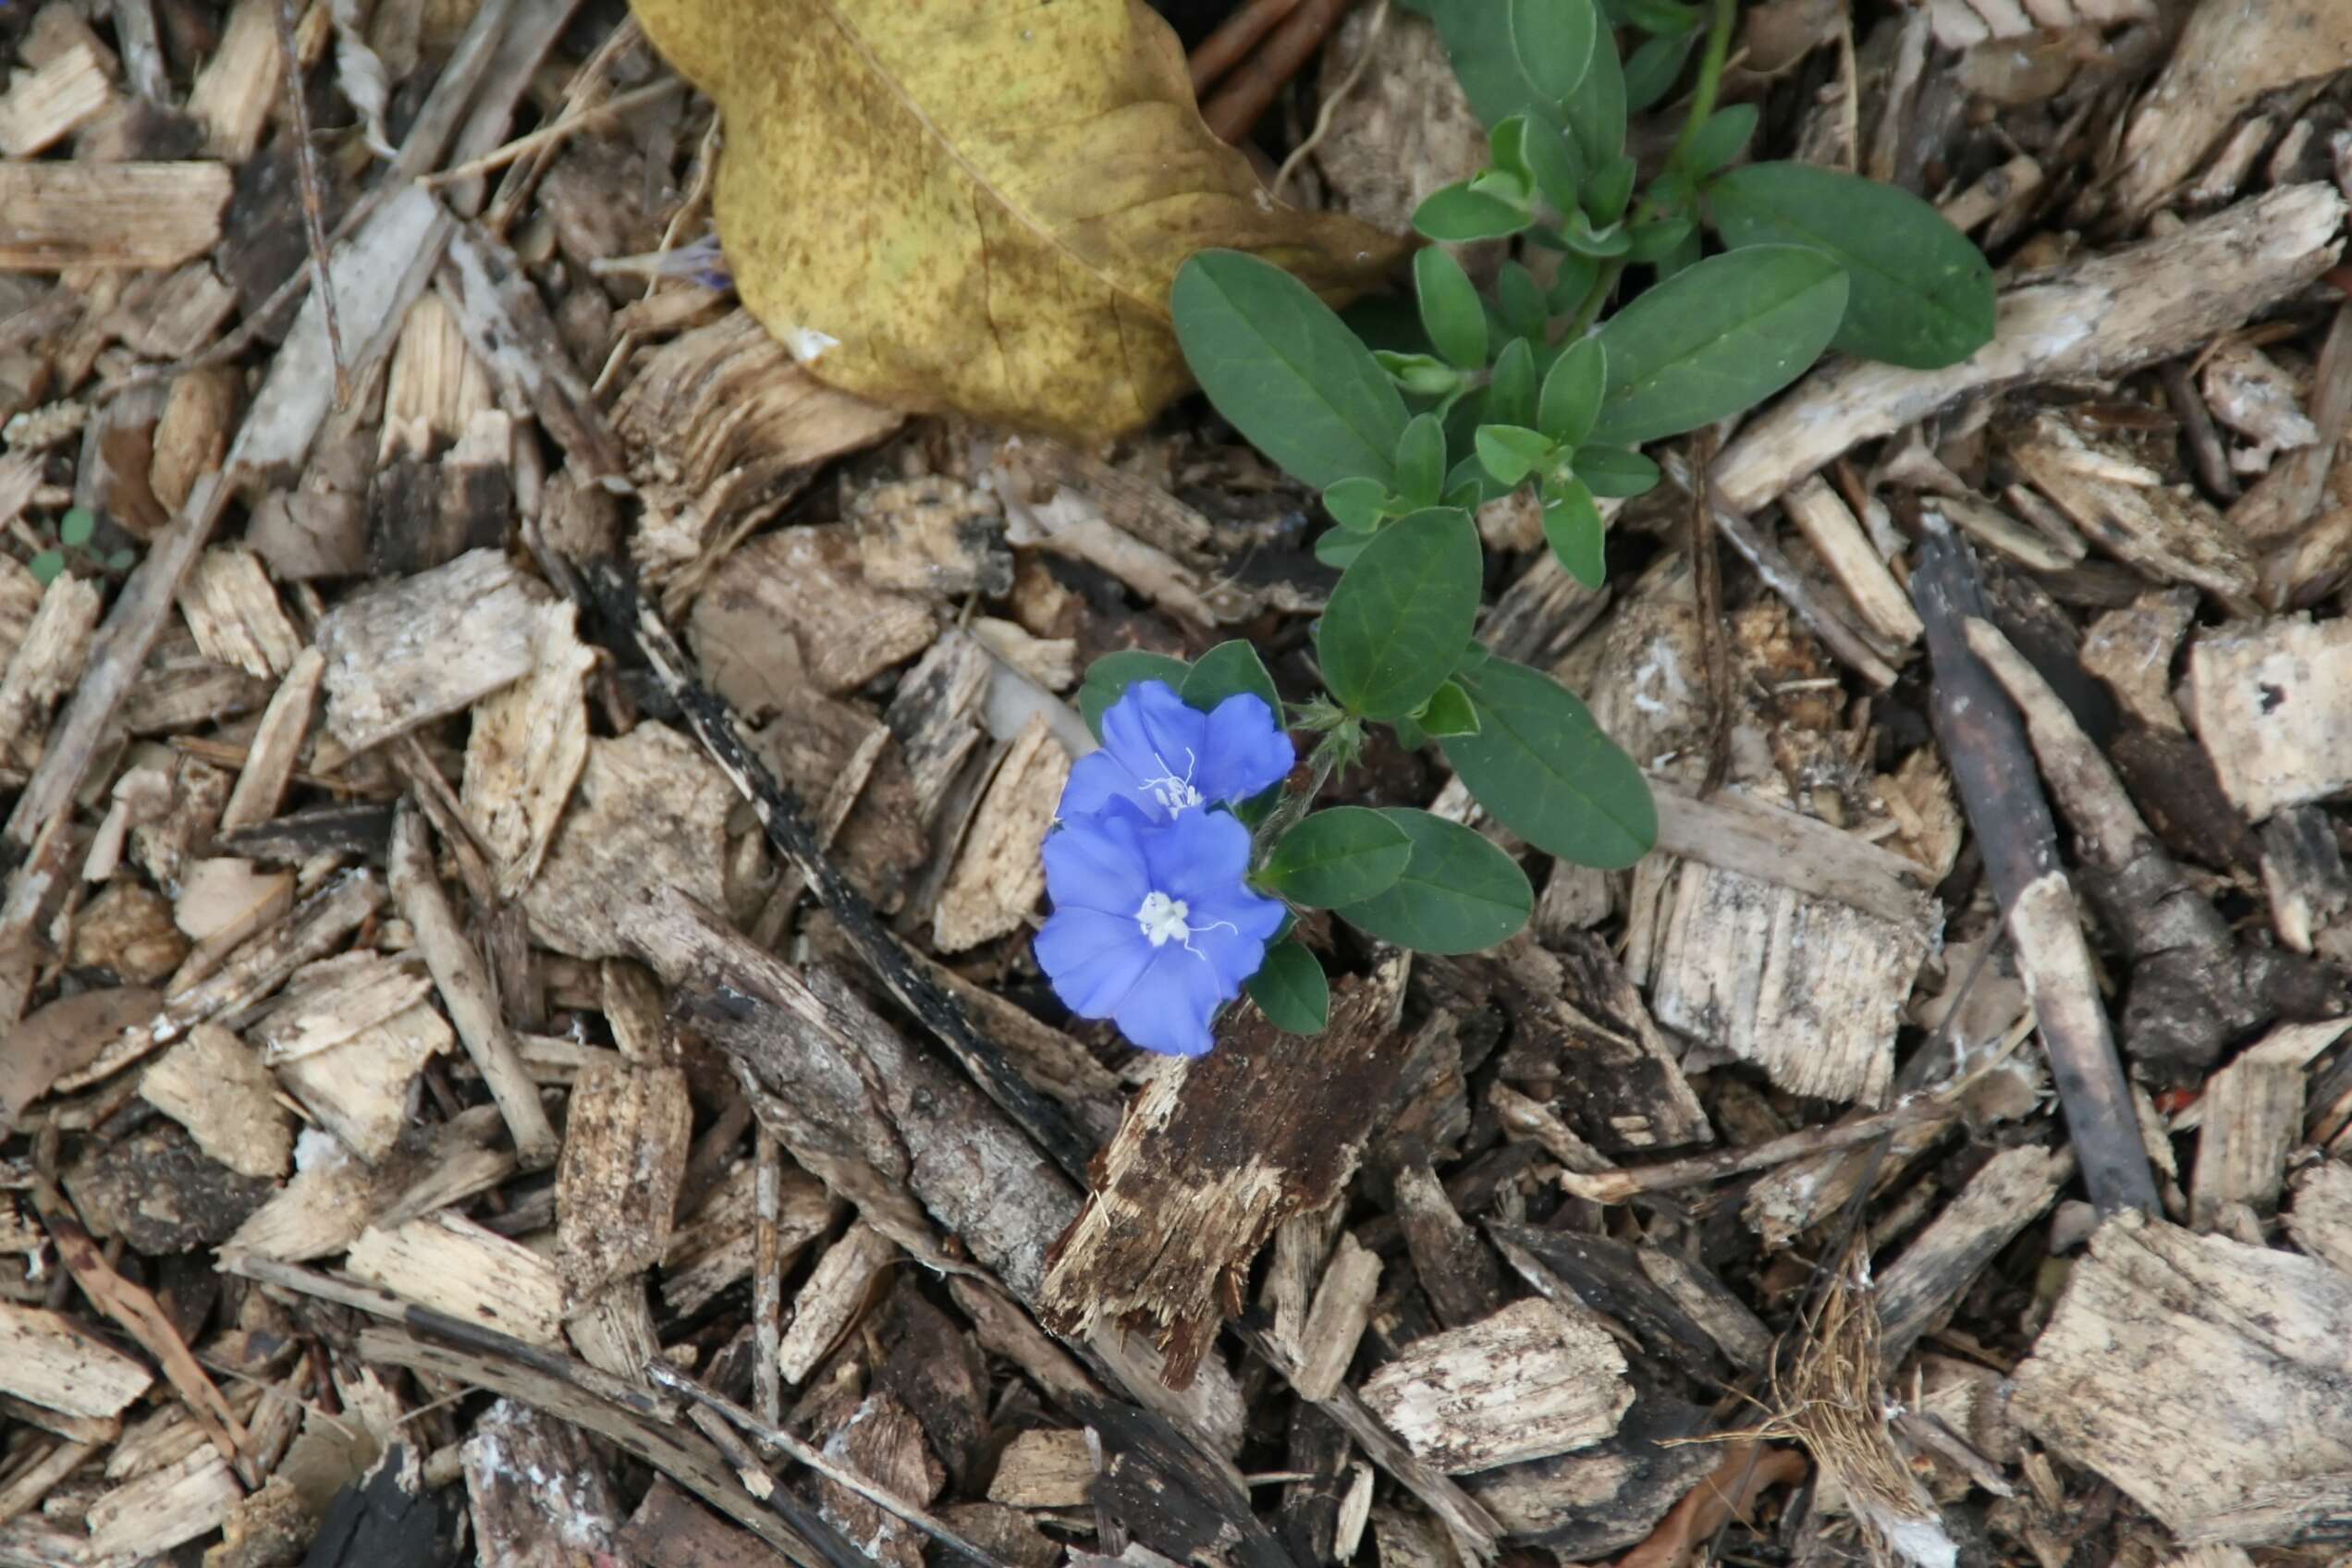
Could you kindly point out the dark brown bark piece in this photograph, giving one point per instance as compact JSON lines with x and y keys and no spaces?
{"x":1214,"y":1154}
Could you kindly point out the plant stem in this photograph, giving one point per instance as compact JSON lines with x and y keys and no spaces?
{"x":1295,"y":805}
{"x":1702,"y":106}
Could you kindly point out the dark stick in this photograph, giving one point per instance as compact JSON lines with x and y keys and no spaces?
{"x":1984,"y":744}
{"x":314,"y":207}
{"x":629,"y":618}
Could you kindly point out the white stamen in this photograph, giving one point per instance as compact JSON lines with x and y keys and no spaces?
{"x":1162,"y":919}
{"x":1174,"y":794}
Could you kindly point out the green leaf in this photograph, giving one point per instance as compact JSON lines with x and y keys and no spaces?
{"x":1338,"y":548}
{"x":1424,"y":375}
{"x":75,"y":528}
{"x":1542,"y":768}
{"x":1572,"y":528}
{"x":1397,"y":618}
{"x":122,"y":559}
{"x":1339,"y":856}
{"x":1457,"y":215}
{"x":1356,"y":503}
{"x":1449,"y":713}
{"x":1459,"y":894}
{"x":1615,"y":471}
{"x":1718,"y":140}
{"x":1521,"y":300}
{"x":1484,"y":61}
{"x":1108,"y":676}
{"x":1596,"y":115}
{"x":1553,"y":43}
{"x":1717,"y":338}
{"x":1284,"y":370}
{"x":1663,"y":17}
{"x":1922,"y":295}
{"x":1451,"y":313}
{"x":1408,"y":733}
{"x":1653,"y":240}
{"x":1681,"y":259}
{"x":1653,"y":67}
{"x":1225,"y":670}
{"x":1511,"y":452}
{"x":47,"y":567}
{"x":1511,"y":391}
{"x":1577,"y":276}
{"x":1421,"y":460}
{"x":1577,"y":231}
{"x":1507,"y":157}
{"x":1289,"y":988}
{"x":1552,"y":158}
{"x":1610,"y":189}
{"x":1572,"y":392}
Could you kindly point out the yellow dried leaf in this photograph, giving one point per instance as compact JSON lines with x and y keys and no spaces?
{"x":978,"y":206}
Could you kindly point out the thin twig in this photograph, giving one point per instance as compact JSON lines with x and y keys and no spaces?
{"x":1335,"y":98}
{"x":769,"y":1432}
{"x":562,"y":131}
{"x":1234,"y":39}
{"x":1246,"y":93}
{"x":314,"y":207}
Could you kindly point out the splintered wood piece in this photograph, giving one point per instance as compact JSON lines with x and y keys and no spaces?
{"x":714,"y":1246}
{"x":1455,"y":1266}
{"x":464,"y":984}
{"x":935,"y":536}
{"x":648,"y":815}
{"x":2219,"y":67}
{"x":2167,"y":531}
{"x":879,"y":1440}
{"x":277,"y":745}
{"x":92,"y":214}
{"x":1838,"y":537}
{"x":234,"y":613}
{"x":2253,"y":1118}
{"x":2088,"y":321}
{"x":2195,"y":1373}
{"x":836,"y":1292}
{"x":1809,"y":990}
{"x":999,"y":873}
{"x":624,"y":1153}
{"x":434,"y":386}
{"x":326,"y":1003}
{"x":722,"y":424}
{"x":214,"y":1086}
{"x":797,"y":596}
{"x":43,"y":107}
{"x":1342,"y":1306}
{"x":671,"y":1530}
{"x":1583,"y":1026}
{"x":1045,"y":1467}
{"x":1788,"y":849}
{"x":937,"y":715}
{"x":1943,"y":1261}
{"x":2321,"y":1218}
{"x":145,"y":1518}
{"x":535,"y":1481}
{"x":1529,"y":1382}
{"x":1607,"y":1497}
{"x":2131,"y":649}
{"x":240,"y":83}
{"x":359,"y":1086}
{"x":52,"y":1363}
{"x":449,"y":1263}
{"x":526,"y":750}
{"x":46,"y":664}
{"x":2273,"y":709}
{"x":1216,"y":1152}
{"x":427,"y":646}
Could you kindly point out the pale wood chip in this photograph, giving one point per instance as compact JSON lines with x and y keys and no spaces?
{"x":452,"y":1265}
{"x":43,"y":107}
{"x":427,"y":646}
{"x":47,"y":663}
{"x":1045,"y":1467}
{"x":526,"y":750}
{"x":999,"y":873}
{"x":624,"y":1153}
{"x":232,"y":608}
{"x":45,"y":1359}
{"x":1527,"y":1382}
{"x":2273,"y":706}
{"x":215,"y":1086}
{"x":90,"y":215}
{"x":359,"y":1087}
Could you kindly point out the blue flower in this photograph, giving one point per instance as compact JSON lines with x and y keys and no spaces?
{"x":1167,"y":757}
{"x":1152,"y":926}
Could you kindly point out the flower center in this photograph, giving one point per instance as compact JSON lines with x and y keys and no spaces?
{"x":1174,"y":794}
{"x":1162,"y":920}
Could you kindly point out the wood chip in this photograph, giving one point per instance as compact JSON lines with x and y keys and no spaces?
{"x":234,"y":612}
{"x":452,"y":1265}
{"x":43,"y":107}
{"x":624,"y":1153}
{"x":525,"y":752}
{"x":2273,"y":706}
{"x":53,"y":1363}
{"x":89,"y":215}
{"x":999,"y":873}
{"x":216,"y":1087}
{"x":1527,"y":1382}
{"x":427,"y":646}
{"x":1045,"y":1468}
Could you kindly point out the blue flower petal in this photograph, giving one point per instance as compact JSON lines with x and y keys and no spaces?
{"x":1169,"y":1007}
{"x":1158,"y":740}
{"x":1201,"y":851}
{"x":1245,"y":749}
{"x":1097,"y":861}
{"x":1097,"y":779}
{"x":1095,"y":960}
